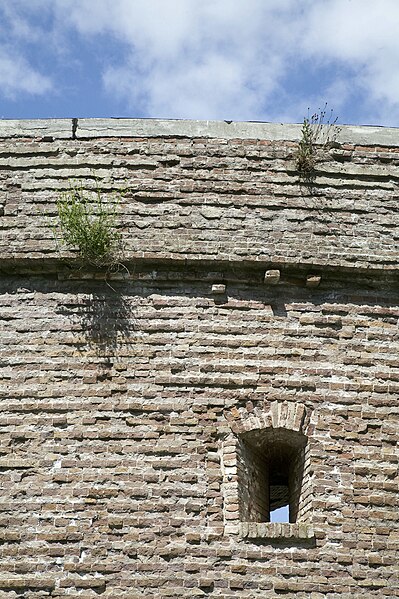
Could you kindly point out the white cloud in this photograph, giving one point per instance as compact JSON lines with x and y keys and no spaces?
{"x":362,"y":36}
{"x":258,"y":59}
{"x":16,"y":24}
{"x":213,"y":87}
{"x":226,"y":59}
{"x":17,"y":76}
{"x":352,"y":29}
{"x":208,"y":59}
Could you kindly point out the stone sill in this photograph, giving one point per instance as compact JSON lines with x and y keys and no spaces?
{"x":275,"y":530}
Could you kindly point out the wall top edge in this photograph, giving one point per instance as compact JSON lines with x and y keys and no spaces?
{"x":125,"y":127}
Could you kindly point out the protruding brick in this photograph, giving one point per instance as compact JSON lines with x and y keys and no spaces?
{"x":272,"y":277}
{"x":218,"y":288}
{"x":313,"y":280}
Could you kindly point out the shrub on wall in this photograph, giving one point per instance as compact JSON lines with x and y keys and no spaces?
{"x":317,"y":131}
{"x":88,"y":225}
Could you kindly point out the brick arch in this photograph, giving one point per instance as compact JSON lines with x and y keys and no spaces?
{"x":265,"y":441}
{"x":271,"y":415}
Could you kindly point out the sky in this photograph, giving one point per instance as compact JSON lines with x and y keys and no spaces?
{"x":241,"y":60}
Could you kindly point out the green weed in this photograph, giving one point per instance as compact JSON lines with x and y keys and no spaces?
{"x":317,"y":132}
{"x":88,"y":225}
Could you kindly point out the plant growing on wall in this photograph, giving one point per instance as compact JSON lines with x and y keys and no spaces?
{"x":317,"y":132}
{"x":88,"y":224}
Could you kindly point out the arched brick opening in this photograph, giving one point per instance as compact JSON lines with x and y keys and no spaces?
{"x":266,"y":463}
{"x":270,"y":468}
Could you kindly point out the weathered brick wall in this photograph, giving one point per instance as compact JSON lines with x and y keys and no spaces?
{"x":116,"y":403}
{"x":208,"y":198}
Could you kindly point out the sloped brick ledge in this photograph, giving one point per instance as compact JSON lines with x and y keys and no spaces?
{"x":217,"y":193}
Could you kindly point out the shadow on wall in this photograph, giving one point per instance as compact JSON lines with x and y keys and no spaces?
{"x":106,"y":320}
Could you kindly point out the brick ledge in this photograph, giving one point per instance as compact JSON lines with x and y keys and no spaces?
{"x":275,"y":530}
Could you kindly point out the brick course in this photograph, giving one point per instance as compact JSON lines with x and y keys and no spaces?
{"x":120,"y":406}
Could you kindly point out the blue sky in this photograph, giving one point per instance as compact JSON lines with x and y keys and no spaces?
{"x":265,"y":60}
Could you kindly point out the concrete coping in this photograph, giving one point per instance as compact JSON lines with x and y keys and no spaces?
{"x":124,"y":127}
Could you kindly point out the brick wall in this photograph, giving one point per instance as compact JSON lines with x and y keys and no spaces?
{"x":121,"y":407}
{"x":253,"y":484}
{"x":300,"y":481}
